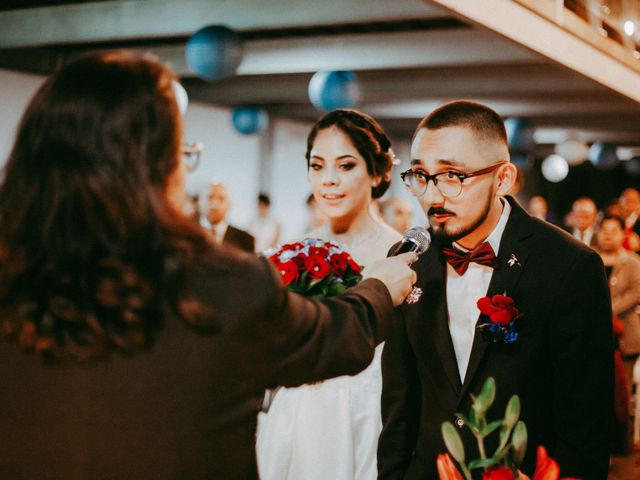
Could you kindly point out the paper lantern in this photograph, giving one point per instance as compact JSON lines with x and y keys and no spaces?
{"x":182,"y":99}
{"x":603,"y":155}
{"x":520,"y":133}
{"x":249,"y":120}
{"x":574,"y":151}
{"x":555,"y":168}
{"x":214,"y":52}
{"x":331,"y":90}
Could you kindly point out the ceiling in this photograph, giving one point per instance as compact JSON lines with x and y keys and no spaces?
{"x":409,"y":56}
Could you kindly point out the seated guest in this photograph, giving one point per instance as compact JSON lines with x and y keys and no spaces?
{"x":216,"y":205}
{"x":582,"y":221}
{"x":133,"y":348}
{"x":630,"y":203}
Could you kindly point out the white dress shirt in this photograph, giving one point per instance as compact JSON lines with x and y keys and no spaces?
{"x":464,"y":291}
{"x":585,"y":237}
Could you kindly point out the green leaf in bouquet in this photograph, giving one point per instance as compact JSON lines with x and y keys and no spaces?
{"x":325,"y":290}
{"x":482,"y":463}
{"x":337,"y":289}
{"x":502,"y":452}
{"x":314,"y":282}
{"x":482,"y":402}
{"x":512,"y":412}
{"x":453,"y":442}
{"x":489,"y":429}
{"x":304,"y":281}
{"x":519,"y":441}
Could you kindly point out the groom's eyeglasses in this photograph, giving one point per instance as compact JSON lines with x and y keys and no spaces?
{"x":449,"y":183}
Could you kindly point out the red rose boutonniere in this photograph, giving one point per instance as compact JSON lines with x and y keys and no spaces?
{"x":315,"y":268}
{"x":499,"y":315}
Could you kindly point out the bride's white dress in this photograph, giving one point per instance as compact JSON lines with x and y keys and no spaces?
{"x":323,"y":431}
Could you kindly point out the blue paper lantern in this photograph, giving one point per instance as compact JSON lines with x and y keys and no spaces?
{"x":520,"y":133}
{"x":331,"y":90}
{"x":249,"y":120}
{"x":603,"y":155}
{"x":632,"y":166}
{"x":214,"y":52}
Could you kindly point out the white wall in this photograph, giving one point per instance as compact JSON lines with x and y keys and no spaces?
{"x":16,"y":89}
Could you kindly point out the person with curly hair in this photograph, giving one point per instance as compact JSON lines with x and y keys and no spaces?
{"x":150,"y":347}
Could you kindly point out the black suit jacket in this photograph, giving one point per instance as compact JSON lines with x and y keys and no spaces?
{"x":187,"y":408}
{"x":239,"y":239}
{"x":561,"y":366}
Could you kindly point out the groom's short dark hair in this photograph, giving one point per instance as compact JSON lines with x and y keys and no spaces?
{"x":484,"y":122}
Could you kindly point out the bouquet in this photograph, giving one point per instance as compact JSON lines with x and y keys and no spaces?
{"x":503,"y":463}
{"x":315,"y":268}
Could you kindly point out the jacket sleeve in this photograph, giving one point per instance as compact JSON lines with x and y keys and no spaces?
{"x":581,"y":342}
{"x":309,"y":340}
{"x":630,"y":297}
{"x":400,"y":404}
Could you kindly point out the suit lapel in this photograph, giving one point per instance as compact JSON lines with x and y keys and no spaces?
{"x":432,"y":319}
{"x":512,"y":256}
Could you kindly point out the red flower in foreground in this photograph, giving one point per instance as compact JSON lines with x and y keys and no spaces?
{"x":338,"y":263}
{"x":322,"y":251}
{"x":499,"y":308}
{"x":299,"y":260}
{"x":352,"y":264}
{"x":498,"y":473}
{"x":289,"y":272}
{"x":317,"y":266}
{"x":446,"y":469}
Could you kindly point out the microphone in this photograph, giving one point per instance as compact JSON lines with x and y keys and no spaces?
{"x":416,"y":239}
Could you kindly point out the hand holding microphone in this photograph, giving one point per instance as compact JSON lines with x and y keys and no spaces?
{"x":395,"y":271}
{"x":417,"y":240}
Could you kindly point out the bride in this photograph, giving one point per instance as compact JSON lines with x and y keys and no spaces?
{"x":329,"y":430}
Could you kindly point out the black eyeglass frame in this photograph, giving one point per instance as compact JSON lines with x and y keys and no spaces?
{"x":434,"y":177}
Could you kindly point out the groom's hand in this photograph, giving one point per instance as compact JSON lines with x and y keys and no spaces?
{"x":395,"y":273}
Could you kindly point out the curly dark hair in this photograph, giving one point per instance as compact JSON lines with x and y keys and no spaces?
{"x":89,"y":242}
{"x":369,"y":139}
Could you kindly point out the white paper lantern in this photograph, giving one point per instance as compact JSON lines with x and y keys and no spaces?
{"x":574,"y":151}
{"x":181,"y":97}
{"x":555,"y":168}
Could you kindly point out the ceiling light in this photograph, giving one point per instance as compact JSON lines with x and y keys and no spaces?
{"x":629,"y":27}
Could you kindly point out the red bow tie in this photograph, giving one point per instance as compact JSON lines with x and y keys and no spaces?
{"x":483,"y":254}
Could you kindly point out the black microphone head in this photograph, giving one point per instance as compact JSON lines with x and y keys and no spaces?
{"x":420,"y":237}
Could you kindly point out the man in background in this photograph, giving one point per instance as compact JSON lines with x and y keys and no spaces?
{"x":216,"y":200}
{"x":581,"y":221}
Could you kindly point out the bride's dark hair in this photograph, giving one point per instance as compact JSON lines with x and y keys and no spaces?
{"x":89,"y":244}
{"x":369,"y":139}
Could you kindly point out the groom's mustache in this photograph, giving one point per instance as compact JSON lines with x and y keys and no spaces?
{"x":439,"y":211}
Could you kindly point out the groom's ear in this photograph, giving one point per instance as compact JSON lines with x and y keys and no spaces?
{"x":507,"y":176}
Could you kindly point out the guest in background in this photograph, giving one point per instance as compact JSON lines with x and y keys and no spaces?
{"x":623,"y":272}
{"x":631,"y":240}
{"x":539,"y":208}
{"x":265,"y":228}
{"x":630,"y":203}
{"x":330,"y":430}
{"x":398,"y":213}
{"x":131,"y":347}
{"x":216,"y":206}
{"x":581,"y":221}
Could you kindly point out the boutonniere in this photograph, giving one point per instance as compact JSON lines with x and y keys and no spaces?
{"x":499,"y":315}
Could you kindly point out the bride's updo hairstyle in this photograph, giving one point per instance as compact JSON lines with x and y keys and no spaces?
{"x":368,"y":138}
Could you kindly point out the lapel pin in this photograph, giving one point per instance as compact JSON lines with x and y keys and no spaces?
{"x":513,"y":260}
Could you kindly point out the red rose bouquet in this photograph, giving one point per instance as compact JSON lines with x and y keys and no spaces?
{"x":315,"y":268}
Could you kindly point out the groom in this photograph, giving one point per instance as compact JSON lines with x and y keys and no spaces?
{"x":560,"y":364}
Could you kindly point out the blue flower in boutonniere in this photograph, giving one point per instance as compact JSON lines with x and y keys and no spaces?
{"x":499,"y":315}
